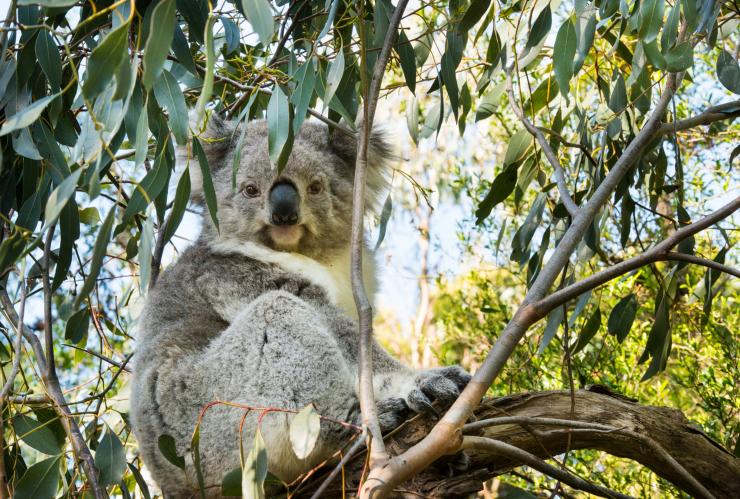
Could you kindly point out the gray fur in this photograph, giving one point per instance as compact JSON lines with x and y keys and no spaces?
{"x":226,"y":323}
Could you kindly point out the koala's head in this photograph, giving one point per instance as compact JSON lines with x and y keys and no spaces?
{"x":307,"y":208}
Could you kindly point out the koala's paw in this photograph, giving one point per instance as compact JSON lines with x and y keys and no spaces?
{"x":391,"y":413}
{"x":442,"y":385}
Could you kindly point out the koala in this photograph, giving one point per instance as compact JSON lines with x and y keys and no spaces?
{"x":260,"y":313}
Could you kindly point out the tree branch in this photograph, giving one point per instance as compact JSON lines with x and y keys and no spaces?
{"x":364,"y":308}
{"x":514,"y":453}
{"x":725,"y":111}
{"x":604,"y":421}
{"x":18,"y":348}
{"x":565,"y":196}
{"x":53,"y":388}
{"x":657,"y":253}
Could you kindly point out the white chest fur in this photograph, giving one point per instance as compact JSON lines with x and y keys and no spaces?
{"x":333,"y":275}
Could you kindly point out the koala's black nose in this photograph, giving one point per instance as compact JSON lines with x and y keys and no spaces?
{"x":284,"y":204}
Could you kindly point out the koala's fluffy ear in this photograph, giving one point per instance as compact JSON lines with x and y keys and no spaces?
{"x":216,"y":137}
{"x":380,"y":153}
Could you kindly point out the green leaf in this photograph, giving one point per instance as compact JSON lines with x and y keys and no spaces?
{"x":728,"y":71}
{"x":622,"y":316}
{"x":254,"y":470}
{"x":140,"y":481}
{"x":585,"y":36}
{"x":168,"y":94}
{"x":408,"y":60}
{"x":77,"y":326}
{"x":554,"y":319}
{"x":142,"y":137}
{"x":231,"y":485}
{"x":304,"y":89}
{"x":279,"y":130}
{"x":680,"y":57}
{"x":589,"y":331}
{"x":40,"y":481}
{"x":490,"y":101}
{"x":473,"y":14}
{"x":208,"y":190}
{"x":651,"y":19}
{"x":304,"y":431}
{"x":58,"y":198}
{"x":542,"y":96}
{"x":195,"y":451}
{"x":27,"y":115}
{"x":47,"y":53}
{"x":36,"y":435}
{"x":182,"y":195}
{"x":161,"y":32}
{"x":670,"y":31}
{"x":618,"y":98}
{"x":519,"y":144}
{"x":503,"y":185}
{"x":96,"y":262}
{"x":659,"y":340}
{"x":110,"y":459}
{"x":146,"y":244}
{"x":385,"y":216}
{"x":654,"y":55}
{"x":564,"y":53}
{"x":540,"y":28}
{"x":105,"y":59}
{"x":168,"y":449}
{"x":259,"y":15}
{"x":48,"y":3}
{"x":333,"y":77}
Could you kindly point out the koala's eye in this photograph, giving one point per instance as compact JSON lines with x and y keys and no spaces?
{"x":315,"y":188}
{"x":251,"y":191}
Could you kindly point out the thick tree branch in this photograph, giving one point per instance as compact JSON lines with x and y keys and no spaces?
{"x":726,"y":111}
{"x":489,"y":445}
{"x":603,"y":421}
{"x":552,"y":158}
{"x":364,"y":308}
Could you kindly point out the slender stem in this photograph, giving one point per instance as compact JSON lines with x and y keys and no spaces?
{"x":524,"y":457}
{"x":726,"y":111}
{"x":356,"y":446}
{"x":378,"y":453}
{"x":570,"y":205}
{"x":17,"y":349}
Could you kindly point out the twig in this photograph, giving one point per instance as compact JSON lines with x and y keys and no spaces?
{"x":524,"y":457}
{"x":378,"y":453}
{"x":570,"y":205}
{"x":51,"y":383}
{"x":4,"y":33}
{"x":725,"y":111}
{"x":18,"y":348}
{"x":359,"y":444}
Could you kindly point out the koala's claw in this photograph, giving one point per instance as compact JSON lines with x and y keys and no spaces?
{"x":420,"y":403}
{"x":442,"y":385}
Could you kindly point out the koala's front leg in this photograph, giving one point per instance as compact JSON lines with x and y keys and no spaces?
{"x":400,"y":393}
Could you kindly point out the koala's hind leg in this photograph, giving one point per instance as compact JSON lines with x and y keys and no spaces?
{"x":277,"y":353}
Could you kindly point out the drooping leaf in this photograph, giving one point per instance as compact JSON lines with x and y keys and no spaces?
{"x":540,"y":28}
{"x":146,"y":245}
{"x":96,"y":262}
{"x":279,"y":129}
{"x":27,"y":115}
{"x":680,"y":57}
{"x":475,"y":11}
{"x":408,"y":60}
{"x":564,"y":53}
{"x":622,"y":316}
{"x":36,"y":435}
{"x":158,"y":42}
{"x":147,"y":190}
{"x":58,"y":198}
{"x":659,"y":339}
{"x":501,"y":187}
{"x":105,"y":59}
{"x":168,"y":449}
{"x":231,"y":485}
{"x":519,"y":144}
{"x":651,"y":19}
{"x":585,"y":40}
{"x":47,"y":53}
{"x":333,"y":77}
{"x":554,"y":319}
{"x":304,"y":431}
{"x":77,"y":326}
{"x":40,"y":481}
{"x":385,"y":216}
{"x":182,"y":195}
{"x":589,"y":331}
{"x":254,"y":469}
{"x":209,"y":192}
{"x":304,"y":90}
{"x":490,"y":102}
{"x":143,"y":487}
{"x":728,"y":71}
{"x":110,"y":459}
{"x":259,"y":15}
{"x":168,"y":94}
{"x":195,"y":451}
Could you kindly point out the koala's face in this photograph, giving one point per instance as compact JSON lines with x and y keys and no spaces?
{"x":307,"y":208}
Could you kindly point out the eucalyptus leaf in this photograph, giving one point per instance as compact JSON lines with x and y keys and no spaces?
{"x":158,"y":42}
{"x":728,"y":71}
{"x":259,"y":15}
{"x":110,"y":459}
{"x":304,"y":431}
{"x":564,"y":53}
{"x":40,"y":481}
